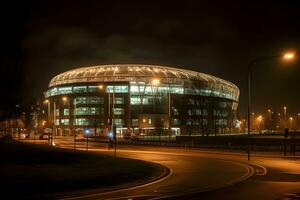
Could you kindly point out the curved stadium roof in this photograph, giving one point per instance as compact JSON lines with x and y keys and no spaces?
{"x":140,"y":73}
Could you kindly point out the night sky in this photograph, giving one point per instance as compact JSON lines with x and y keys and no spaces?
{"x":44,"y":38}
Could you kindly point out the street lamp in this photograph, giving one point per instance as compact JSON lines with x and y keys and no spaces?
{"x":156,"y":82}
{"x":66,"y":100}
{"x":87,"y":133}
{"x":113,"y":116}
{"x":287,"y":56}
{"x":259,"y":119}
{"x":291,"y":121}
{"x":49,"y":117}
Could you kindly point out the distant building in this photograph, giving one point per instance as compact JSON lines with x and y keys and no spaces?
{"x":141,"y":100}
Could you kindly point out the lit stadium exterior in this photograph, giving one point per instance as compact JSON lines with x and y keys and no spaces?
{"x":140,"y":100}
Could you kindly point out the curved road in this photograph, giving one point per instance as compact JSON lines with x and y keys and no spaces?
{"x":206,"y":174}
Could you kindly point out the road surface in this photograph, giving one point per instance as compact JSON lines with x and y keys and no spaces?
{"x":202,"y":174}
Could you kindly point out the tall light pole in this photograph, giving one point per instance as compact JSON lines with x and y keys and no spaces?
{"x":111,"y":113}
{"x":74,"y":122}
{"x":66,"y":100}
{"x":287,"y":56}
{"x":156,"y":82}
{"x":291,"y":122}
{"x":100,"y":87}
{"x":49,"y":117}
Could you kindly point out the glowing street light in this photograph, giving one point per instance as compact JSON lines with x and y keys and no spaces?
{"x":284,"y":110}
{"x":259,"y":118}
{"x":289,"y":56}
{"x":65,"y":99}
{"x":100,"y":87}
{"x":49,"y":117}
{"x":286,"y":56}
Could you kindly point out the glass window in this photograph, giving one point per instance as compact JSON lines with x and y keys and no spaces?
{"x":135,"y":100}
{"x":134,"y":89}
{"x":135,"y":122}
{"x":197,"y":112}
{"x":119,"y":122}
{"x":89,"y":100}
{"x":79,"y":89}
{"x":57,"y":122}
{"x":117,"y":88}
{"x":88,"y":111}
{"x":88,"y":122}
{"x":119,"y":111}
{"x":64,"y":90}
{"x":221,"y":122}
{"x":175,"y":111}
{"x":92,"y":88}
{"x":119,"y":100}
{"x":66,"y":111}
{"x":64,"y":121}
{"x":177,"y":90}
{"x":53,"y":91}
{"x":176,"y":122}
{"x":57,"y":112}
{"x":81,"y":122}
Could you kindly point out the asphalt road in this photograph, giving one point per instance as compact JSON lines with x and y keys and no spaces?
{"x":202,"y":174}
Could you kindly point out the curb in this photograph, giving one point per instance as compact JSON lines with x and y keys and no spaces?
{"x":95,"y":192}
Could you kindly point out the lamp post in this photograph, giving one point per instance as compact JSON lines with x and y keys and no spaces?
{"x":74,"y":122}
{"x":87,"y":133}
{"x":49,"y":117}
{"x":112,"y":121}
{"x":287,"y":56}
{"x":291,"y":122}
{"x":285,"y":118}
{"x":156,"y":82}
{"x":66,"y":100}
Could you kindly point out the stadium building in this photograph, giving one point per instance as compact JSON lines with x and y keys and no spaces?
{"x":141,"y":101}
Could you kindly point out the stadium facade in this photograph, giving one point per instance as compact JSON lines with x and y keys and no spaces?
{"x":140,"y":100}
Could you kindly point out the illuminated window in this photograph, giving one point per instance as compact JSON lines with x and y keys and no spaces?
{"x":135,"y":122}
{"x":119,"y":122}
{"x":119,"y":100}
{"x":64,"y":121}
{"x":81,"y":122}
{"x":117,"y":88}
{"x":89,"y":100}
{"x":175,"y":111}
{"x":53,"y":91}
{"x":88,"y":111}
{"x":66,"y":111}
{"x":88,"y":122}
{"x":119,"y":111}
{"x":57,"y":112}
{"x":64,"y":90}
{"x":92,"y":88}
{"x":221,"y":122}
{"x":135,"y":100}
{"x":79,"y":89}
{"x":147,"y":100}
{"x":57,"y":122}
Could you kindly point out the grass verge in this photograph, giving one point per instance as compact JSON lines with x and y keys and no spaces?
{"x":37,"y":171}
